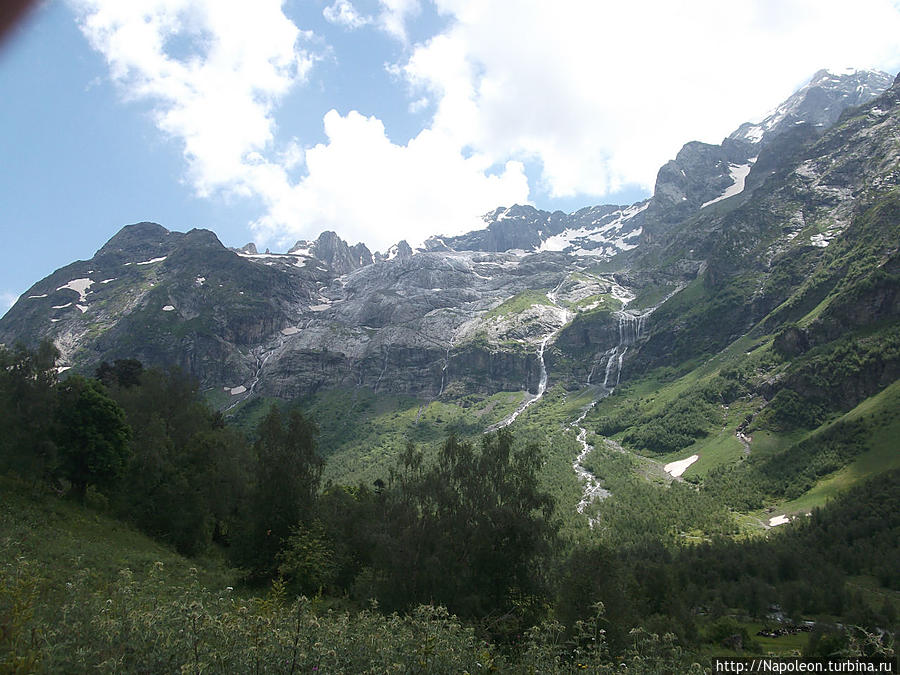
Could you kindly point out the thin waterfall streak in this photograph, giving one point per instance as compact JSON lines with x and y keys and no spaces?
{"x":619,"y":369}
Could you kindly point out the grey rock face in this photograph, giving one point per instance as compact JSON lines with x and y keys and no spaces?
{"x":334,"y":252}
{"x":820,"y":102}
{"x":470,"y":312}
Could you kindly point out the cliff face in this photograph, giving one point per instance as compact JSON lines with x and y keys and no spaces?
{"x":756,"y":231}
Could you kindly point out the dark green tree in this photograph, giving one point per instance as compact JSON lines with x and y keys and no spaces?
{"x":122,"y":373}
{"x":91,"y":434}
{"x":27,"y":404}
{"x":188,"y":474}
{"x":283,"y":496}
{"x":592,"y":575}
{"x":473,"y":531}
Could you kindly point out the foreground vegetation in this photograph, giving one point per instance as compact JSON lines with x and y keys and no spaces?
{"x":455,"y":559}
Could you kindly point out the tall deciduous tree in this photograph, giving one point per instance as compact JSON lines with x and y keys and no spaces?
{"x":188,"y":473}
{"x":91,"y":434}
{"x":471,"y":531}
{"x":288,"y":472}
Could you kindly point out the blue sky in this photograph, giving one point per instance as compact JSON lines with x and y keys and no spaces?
{"x":381,"y":119}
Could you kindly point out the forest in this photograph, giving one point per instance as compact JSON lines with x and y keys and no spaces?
{"x":451,"y":561}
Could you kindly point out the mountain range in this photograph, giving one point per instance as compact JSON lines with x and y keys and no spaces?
{"x":533,"y":292}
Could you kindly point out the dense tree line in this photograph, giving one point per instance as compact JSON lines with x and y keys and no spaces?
{"x":803,"y":569}
{"x":69,"y":431}
{"x":471,"y":531}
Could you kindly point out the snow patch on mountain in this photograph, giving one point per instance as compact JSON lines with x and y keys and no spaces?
{"x":739,"y":173}
{"x":675,"y":469}
{"x":604,"y":237}
{"x":80,"y":286}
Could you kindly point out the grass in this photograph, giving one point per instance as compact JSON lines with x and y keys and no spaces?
{"x":881,"y":413}
{"x":720,"y":447}
{"x":361,"y":433}
{"x":518,"y":304}
{"x":59,"y":539}
{"x":873,"y":592}
{"x":601,"y":303}
{"x":766,"y":443}
{"x":786,"y":645}
{"x":650,"y":297}
{"x":217,"y":398}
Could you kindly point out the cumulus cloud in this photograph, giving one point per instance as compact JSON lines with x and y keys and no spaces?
{"x":214,"y":71}
{"x":376,"y":191}
{"x":601,"y":94}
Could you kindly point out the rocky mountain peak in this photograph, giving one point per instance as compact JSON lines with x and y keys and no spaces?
{"x":703,"y":174}
{"x":337,"y":254}
{"x":399,"y":251}
{"x":820,"y":102}
{"x":402,"y":250}
{"x":201,"y":238}
{"x":140,"y":239}
{"x":362,"y":255}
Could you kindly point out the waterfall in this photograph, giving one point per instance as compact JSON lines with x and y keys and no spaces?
{"x":631,"y":327}
{"x":444,"y":367}
{"x":542,"y":383}
{"x":542,"y":387}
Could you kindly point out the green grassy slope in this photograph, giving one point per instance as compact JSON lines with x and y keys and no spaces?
{"x":61,"y":540}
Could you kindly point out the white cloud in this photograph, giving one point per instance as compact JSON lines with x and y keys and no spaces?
{"x":343,"y":13}
{"x":394,"y":15}
{"x":603,"y":93}
{"x":220,"y":97}
{"x":391,"y":16}
{"x":375,"y":191}
{"x":214,"y":71}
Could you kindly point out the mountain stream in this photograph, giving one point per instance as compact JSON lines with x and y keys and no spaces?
{"x":542,"y":381}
